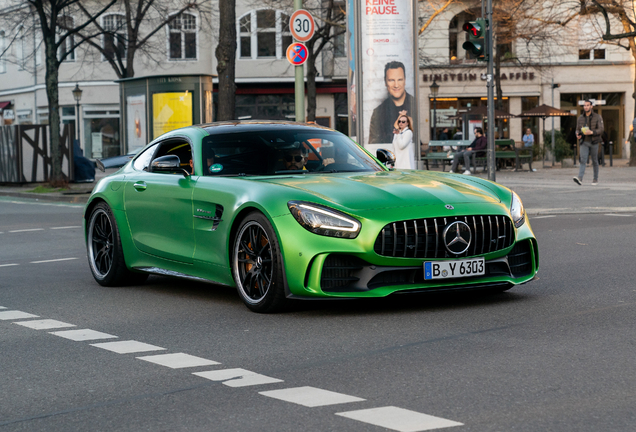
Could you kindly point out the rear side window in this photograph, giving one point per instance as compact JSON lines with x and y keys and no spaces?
{"x":143,"y":160}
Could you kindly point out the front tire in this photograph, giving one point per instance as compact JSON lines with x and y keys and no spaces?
{"x":257,"y":265}
{"x":105,"y":253}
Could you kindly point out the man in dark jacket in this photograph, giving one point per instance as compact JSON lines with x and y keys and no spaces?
{"x":589,"y":129}
{"x":478,"y":146}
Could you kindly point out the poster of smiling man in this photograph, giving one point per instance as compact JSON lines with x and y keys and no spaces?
{"x":387,"y":90}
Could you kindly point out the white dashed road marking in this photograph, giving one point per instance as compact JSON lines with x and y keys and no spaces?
{"x":237,"y":377}
{"x":45,"y":324}
{"x":127,"y":347}
{"x":619,"y":215}
{"x":178,"y":360}
{"x":8,"y":265}
{"x":82,"y":335}
{"x":310,"y":396}
{"x":2,"y":307}
{"x":543,"y":217}
{"x":26,"y":230}
{"x":66,"y":227}
{"x":52,"y":260}
{"x":11,"y":315}
{"x":399,"y":419}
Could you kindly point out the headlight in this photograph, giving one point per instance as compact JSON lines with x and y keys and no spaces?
{"x":517,"y":211}
{"x":323,"y":220}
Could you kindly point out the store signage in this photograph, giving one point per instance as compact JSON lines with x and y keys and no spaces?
{"x":462,"y":77}
{"x":8,"y":114}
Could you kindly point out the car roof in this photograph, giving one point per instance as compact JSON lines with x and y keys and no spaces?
{"x":256,"y":125}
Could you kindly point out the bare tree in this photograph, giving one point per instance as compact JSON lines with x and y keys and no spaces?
{"x":50,"y":13}
{"x":141,"y":20}
{"x":226,"y":60}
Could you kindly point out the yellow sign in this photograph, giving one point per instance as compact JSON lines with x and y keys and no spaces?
{"x":171,"y":111}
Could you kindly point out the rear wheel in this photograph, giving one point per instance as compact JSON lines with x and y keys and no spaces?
{"x":257,"y":265}
{"x":105,"y":254}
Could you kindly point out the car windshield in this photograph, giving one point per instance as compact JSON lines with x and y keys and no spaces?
{"x":283,"y":152}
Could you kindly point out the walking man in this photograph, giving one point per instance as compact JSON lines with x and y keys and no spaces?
{"x":589,"y":128}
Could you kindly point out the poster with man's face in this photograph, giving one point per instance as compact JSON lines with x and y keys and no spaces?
{"x":389,"y":78}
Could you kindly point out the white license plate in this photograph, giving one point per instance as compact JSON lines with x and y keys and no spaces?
{"x":454,"y":269}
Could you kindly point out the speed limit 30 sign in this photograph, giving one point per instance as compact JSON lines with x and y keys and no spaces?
{"x":301,"y":25}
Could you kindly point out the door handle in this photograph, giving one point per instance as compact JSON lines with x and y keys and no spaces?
{"x":140,"y":186}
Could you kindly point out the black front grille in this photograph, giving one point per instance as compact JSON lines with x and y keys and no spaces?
{"x":423,"y":238}
{"x":520,"y":259}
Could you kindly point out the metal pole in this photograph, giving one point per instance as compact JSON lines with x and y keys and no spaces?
{"x":77,"y":117}
{"x":299,"y":89}
{"x":491,"y":96}
{"x":434,"y":117}
{"x":553,"y":155}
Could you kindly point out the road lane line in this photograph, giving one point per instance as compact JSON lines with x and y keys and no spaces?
{"x":237,"y":377}
{"x":27,"y":230}
{"x":543,"y":217}
{"x":45,"y":324}
{"x":2,"y":307}
{"x":619,"y":215}
{"x":310,"y":396}
{"x":399,"y":419}
{"x":66,"y":227}
{"x":52,"y":260}
{"x":11,"y":315}
{"x":8,"y":265}
{"x":82,"y":335}
{"x":178,"y":360}
{"x":127,"y":347}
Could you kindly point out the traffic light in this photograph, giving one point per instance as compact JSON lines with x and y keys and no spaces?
{"x":476,"y":43}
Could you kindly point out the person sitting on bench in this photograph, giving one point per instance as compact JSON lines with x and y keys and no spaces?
{"x":478,"y":146}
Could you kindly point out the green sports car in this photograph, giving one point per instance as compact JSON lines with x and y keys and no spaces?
{"x":285,"y":210}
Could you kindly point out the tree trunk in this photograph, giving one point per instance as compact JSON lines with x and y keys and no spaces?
{"x":226,"y":60}
{"x":52,"y":92}
{"x":310,"y":64}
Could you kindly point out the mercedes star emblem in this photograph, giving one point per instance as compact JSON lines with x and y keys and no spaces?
{"x":457,"y":237}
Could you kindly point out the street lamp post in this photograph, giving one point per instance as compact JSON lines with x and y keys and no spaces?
{"x":434,"y":90}
{"x":77,"y":95}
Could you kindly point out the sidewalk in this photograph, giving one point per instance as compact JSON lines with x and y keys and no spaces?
{"x":547,"y":191}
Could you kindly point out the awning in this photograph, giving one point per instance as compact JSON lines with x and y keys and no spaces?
{"x":3,"y":105}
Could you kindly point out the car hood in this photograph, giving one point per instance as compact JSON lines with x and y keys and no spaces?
{"x":390,"y":189}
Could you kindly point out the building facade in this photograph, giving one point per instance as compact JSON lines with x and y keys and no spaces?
{"x":568,"y":69}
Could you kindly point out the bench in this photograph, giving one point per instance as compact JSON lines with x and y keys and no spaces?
{"x":442,"y":156}
{"x":520,"y":156}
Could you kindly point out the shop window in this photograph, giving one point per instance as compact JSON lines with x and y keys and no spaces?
{"x":183,"y":37}
{"x":66,"y":51}
{"x":265,"y":107}
{"x":101,"y":131}
{"x":114,"y":39}
{"x":263,"y":34}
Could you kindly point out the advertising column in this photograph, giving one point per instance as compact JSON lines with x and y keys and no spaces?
{"x":386,"y":78}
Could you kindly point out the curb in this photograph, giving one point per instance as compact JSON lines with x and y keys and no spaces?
{"x":72,"y":198}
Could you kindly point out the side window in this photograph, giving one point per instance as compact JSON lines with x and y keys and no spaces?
{"x":178,"y":148}
{"x":143,"y":160}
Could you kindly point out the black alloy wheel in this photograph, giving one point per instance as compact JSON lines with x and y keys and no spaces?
{"x":105,"y":254}
{"x":257,"y":265}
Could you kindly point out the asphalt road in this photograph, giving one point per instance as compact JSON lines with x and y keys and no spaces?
{"x":556,"y":354}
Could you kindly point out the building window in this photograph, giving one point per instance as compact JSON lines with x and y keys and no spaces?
{"x":183,"y":37}
{"x":3,"y":55}
{"x":114,"y":42}
{"x":339,"y":46}
{"x":68,"y":45}
{"x":592,"y":54}
{"x":265,"y":107}
{"x":263,"y":34}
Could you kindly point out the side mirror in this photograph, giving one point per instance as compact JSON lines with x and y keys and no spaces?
{"x":169,"y":163}
{"x":385,"y":156}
